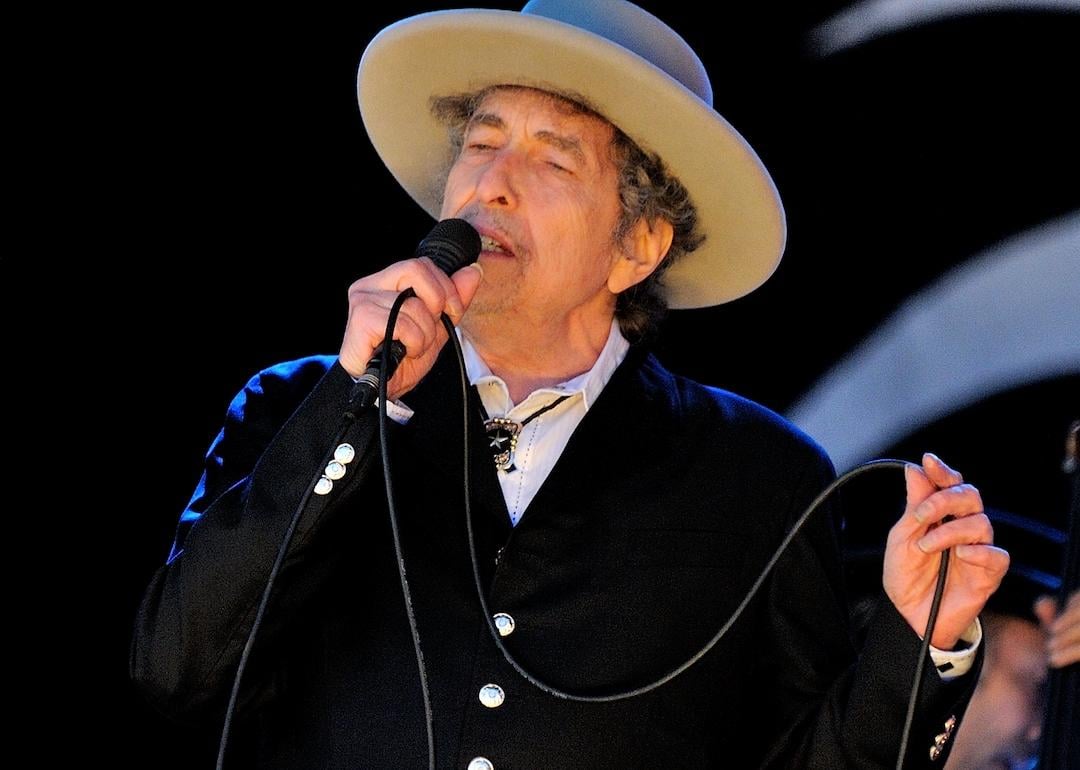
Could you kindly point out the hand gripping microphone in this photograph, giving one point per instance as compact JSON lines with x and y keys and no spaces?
{"x":451,"y":244}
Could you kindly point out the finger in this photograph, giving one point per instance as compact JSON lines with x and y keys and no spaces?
{"x":427,"y":281}
{"x":466,"y":281}
{"x":940,"y":474}
{"x":415,"y":327}
{"x":1045,"y":609}
{"x":395,"y":277}
{"x":974,"y":529}
{"x":1070,"y":616}
{"x":1062,"y":658}
{"x":456,"y":300}
{"x":1064,"y":646}
{"x":1068,"y":630}
{"x":989,"y":557}
{"x":958,"y":501}
{"x":919,"y":487}
{"x":433,"y":287}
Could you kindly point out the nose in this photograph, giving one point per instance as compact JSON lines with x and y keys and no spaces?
{"x":497,"y":185}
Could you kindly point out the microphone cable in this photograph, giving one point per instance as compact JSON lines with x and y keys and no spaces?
{"x":350,"y":416}
{"x":264,"y":601}
{"x":356,"y":402}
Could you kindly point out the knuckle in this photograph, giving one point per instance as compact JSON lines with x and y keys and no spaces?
{"x":960,"y":490}
{"x":356,"y":291}
{"x":371,"y":313}
{"x":965,"y":495}
{"x":419,"y":313}
{"x":426,"y":270}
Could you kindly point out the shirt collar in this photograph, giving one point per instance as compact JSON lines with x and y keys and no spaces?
{"x":589,"y":383}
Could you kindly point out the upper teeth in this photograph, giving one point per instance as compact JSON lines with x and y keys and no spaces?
{"x":490,"y":244}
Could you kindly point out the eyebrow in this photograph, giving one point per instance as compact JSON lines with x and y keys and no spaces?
{"x":567,"y":144}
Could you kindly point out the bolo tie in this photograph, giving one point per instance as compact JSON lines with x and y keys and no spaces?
{"x":502,"y":433}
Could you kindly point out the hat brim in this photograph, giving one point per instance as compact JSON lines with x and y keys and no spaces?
{"x":451,"y":52}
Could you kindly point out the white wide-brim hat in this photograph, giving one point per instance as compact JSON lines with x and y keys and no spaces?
{"x":632,"y":68}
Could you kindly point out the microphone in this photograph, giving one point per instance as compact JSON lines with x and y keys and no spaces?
{"x":451,"y":244}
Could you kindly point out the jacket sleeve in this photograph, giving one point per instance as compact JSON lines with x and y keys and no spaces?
{"x":194,"y":618}
{"x":838,"y":708}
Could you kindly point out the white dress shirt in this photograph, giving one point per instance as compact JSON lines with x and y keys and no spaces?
{"x":542,"y":439}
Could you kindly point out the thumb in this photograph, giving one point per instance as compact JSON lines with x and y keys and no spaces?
{"x":467,"y":281}
{"x":919,"y":486}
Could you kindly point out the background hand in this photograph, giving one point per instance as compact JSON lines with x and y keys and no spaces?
{"x":1063,"y":642}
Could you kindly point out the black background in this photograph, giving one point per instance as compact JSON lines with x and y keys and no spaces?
{"x":223,"y":170}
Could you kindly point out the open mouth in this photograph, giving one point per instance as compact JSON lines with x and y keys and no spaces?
{"x":490,"y":245}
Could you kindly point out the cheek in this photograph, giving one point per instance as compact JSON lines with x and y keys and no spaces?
{"x":453,"y":192}
{"x":578,"y":221}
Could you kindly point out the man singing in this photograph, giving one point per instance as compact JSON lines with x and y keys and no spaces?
{"x":620,"y":513}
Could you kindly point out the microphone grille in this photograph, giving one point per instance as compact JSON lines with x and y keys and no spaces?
{"x":451,"y":244}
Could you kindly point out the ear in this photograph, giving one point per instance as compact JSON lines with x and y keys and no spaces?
{"x":642,"y":252}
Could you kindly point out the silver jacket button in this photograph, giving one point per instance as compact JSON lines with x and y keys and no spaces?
{"x":344,"y":454}
{"x":323,"y":486}
{"x":481,"y":763}
{"x":492,"y":696}
{"x":504,"y":624}
{"x":334,"y":470}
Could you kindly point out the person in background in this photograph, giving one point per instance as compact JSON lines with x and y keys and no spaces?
{"x":1004,"y":722}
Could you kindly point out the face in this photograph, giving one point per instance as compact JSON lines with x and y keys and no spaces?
{"x":537,"y":180}
{"x":1001,"y":727}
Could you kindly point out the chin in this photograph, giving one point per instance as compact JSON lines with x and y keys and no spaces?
{"x":491,"y":300}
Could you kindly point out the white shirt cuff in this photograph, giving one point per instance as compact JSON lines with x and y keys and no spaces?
{"x":952,"y":664}
{"x":395,"y":410}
